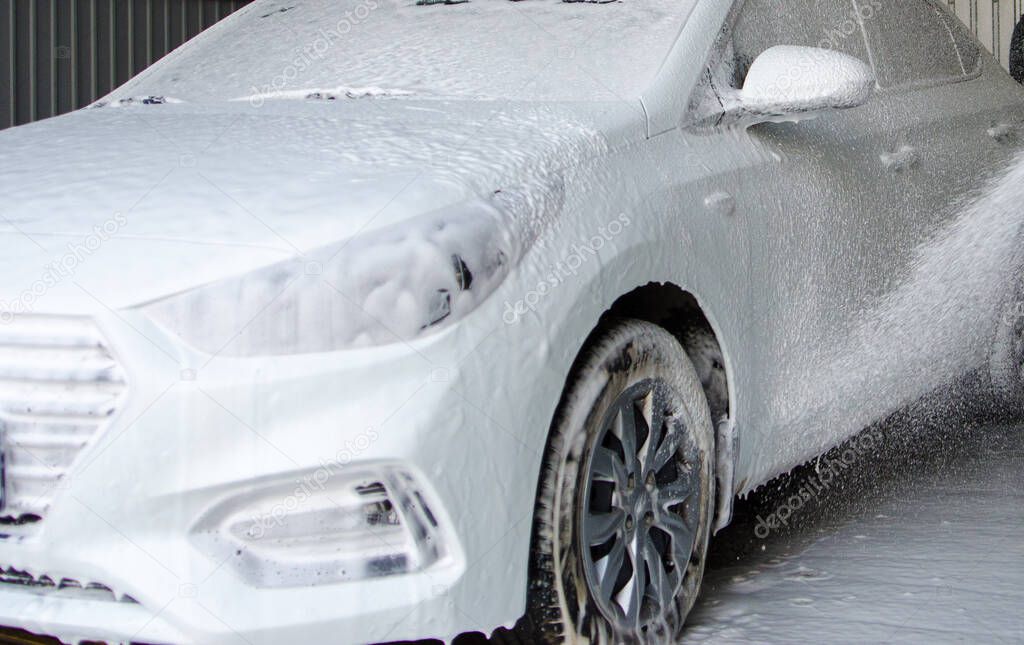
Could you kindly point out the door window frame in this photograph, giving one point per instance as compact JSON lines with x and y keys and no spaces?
{"x":707,"y":91}
{"x":942,"y":15}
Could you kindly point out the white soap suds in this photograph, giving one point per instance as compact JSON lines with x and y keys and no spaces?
{"x":547,"y":50}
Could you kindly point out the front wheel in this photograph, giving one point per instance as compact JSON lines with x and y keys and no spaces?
{"x":626,"y":496}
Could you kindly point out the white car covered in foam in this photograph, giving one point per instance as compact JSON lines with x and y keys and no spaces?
{"x":372,"y":320}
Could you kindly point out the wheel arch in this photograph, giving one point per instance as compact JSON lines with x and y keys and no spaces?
{"x":682,"y":313}
{"x":685,"y":316}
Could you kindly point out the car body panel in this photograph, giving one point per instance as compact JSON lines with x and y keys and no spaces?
{"x":844,"y":257}
{"x":869,"y":280}
{"x":226,"y":177}
{"x":602,"y":198}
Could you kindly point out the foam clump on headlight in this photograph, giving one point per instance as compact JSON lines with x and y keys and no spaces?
{"x":391,"y":285}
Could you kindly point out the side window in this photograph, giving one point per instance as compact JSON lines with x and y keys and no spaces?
{"x":914,"y":42}
{"x":761,"y":24}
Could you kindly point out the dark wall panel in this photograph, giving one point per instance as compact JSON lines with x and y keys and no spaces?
{"x":7,"y":65}
{"x":59,"y":55}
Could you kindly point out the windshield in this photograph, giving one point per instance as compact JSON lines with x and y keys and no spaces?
{"x":337,"y":49}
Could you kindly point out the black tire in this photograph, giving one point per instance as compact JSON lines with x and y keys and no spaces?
{"x":632,"y":364}
{"x":1016,"y":62}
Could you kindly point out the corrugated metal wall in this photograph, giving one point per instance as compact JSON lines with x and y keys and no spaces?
{"x":992,"y":21}
{"x":58,"y":55}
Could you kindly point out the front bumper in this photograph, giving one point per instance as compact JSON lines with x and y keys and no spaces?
{"x":84,"y":619}
{"x":194,"y":430}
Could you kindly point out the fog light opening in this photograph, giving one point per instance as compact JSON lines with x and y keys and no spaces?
{"x":348,"y":526}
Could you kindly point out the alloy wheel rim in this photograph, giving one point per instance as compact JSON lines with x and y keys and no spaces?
{"x":640,"y":510}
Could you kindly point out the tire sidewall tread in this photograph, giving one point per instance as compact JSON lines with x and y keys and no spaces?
{"x":626,"y":352}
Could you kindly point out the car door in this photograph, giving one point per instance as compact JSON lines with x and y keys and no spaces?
{"x":813,"y":214}
{"x":949,"y":118}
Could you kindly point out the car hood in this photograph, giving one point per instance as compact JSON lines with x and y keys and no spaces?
{"x":127,"y":204}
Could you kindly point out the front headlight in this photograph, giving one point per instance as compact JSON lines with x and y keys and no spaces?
{"x":391,"y":285}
